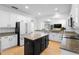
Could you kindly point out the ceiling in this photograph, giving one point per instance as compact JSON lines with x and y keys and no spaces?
{"x":43,"y":10}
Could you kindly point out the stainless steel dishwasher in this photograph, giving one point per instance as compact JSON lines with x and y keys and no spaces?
{"x":70,"y":43}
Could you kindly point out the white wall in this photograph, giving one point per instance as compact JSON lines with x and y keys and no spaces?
{"x":59,"y":21}
{"x":39,"y":24}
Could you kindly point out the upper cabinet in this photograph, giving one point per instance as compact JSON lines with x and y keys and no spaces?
{"x":9,"y":19}
{"x":13,"y":19}
{"x":4,"y":19}
{"x":75,"y":14}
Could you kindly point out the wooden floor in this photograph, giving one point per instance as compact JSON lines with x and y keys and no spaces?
{"x":53,"y":49}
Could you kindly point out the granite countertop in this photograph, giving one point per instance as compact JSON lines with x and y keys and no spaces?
{"x":71,"y":36}
{"x":54,"y":31}
{"x":7,"y":34}
{"x":35,"y":35}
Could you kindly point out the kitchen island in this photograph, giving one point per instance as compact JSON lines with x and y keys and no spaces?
{"x":35,"y":43}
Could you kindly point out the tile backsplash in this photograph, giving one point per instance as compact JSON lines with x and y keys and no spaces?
{"x":6,"y":29}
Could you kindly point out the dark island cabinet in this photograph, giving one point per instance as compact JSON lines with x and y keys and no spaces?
{"x":28,"y":47}
{"x":43,"y":40}
{"x":46,"y":41}
{"x":35,"y":47}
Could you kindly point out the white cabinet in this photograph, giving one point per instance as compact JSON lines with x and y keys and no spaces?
{"x":55,"y":37}
{"x":21,"y":41}
{"x":4,"y":19}
{"x":75,"y":14}
{"x":29,"y":29}
{"x":4,"y":43}
{"x":13,"y":19}
{"x":8,"y":19}
{"x":23,"y":28}
{"x":12,"y":40}
{"x":8,"y":42}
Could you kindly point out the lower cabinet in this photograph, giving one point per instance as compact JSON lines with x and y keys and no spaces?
{"x":13,"y":40}
{"x":21,"y":41}
{"x":46,"y":41}
{"x":55,"y":37}
{"x":8,"y":42}
{"x":43,"y":44}
{"x":4,"y":43}
{"x":35,"y":47}
{"x":28,"y":47}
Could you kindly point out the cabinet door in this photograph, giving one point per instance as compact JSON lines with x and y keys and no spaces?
{"x":28,"y":47}
{"x":50,"y":36}
{"x":4,"y":19}
{"x":0,"y":44}
{"x":56,"y":36}
{"x":43,"y":42}
{"x":13,"y":19}
{"x":21,"y":41}
{"x":23,"y":28}
{"x":4,"y":43}
{"x":37,"y":46}
{"x":13,"y":40}
{"x":46,"y":41}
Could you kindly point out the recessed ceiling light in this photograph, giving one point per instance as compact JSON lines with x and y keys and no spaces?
{"x":48,"y":19}
{"x":39,"y":13}
{"x":56,"y":9}
{"x":26,"y":7}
